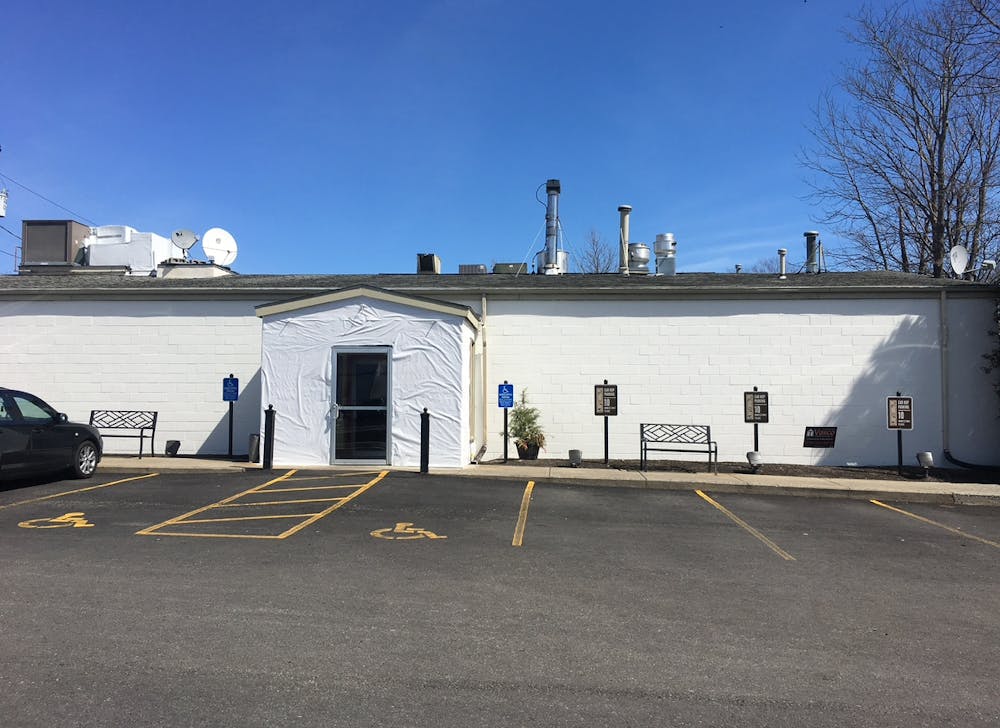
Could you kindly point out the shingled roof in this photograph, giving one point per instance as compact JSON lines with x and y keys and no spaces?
{"x":886,"y":283}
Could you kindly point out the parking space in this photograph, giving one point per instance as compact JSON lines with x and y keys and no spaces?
{"x":502,"y":514}
{"x":399,"y":592}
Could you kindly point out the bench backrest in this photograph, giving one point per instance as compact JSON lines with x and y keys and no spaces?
{"x":686,"y":434}
{"x":123,"y":419}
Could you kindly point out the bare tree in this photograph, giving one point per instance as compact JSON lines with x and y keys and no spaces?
{"x":597,"y":256}
{"x":765,"y":265}
{"x":908,"y":156}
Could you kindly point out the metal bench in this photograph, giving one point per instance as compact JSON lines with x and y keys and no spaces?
{"x":142,"y":422}
{"x":681,"y":438}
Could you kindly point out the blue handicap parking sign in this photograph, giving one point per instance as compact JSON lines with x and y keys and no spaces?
{"x":230,"y":389}
{"x":506,"y":396}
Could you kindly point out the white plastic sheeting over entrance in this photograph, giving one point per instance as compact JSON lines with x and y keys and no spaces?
{"x":429,"y":358}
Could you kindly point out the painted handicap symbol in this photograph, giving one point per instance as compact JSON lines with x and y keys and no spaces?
{"x":404,"y":532}
{"x":67,"y":520}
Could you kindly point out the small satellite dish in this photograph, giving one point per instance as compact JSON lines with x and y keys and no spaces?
{"x":219,"y":246}
{"x":184,"y":239}
{"x":959,"y":258}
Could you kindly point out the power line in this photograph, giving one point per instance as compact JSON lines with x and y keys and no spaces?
{"x":9,"y":232}
{"x":51,"y":202}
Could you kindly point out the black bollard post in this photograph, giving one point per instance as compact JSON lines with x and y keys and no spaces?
{"x":425,"y":441}
{"x":269,"y":437}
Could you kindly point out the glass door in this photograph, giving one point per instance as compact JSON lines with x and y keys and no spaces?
{"x":361,"y":405}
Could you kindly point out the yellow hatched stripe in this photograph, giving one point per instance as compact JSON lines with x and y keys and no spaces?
{"x":242,"y":518}
{"x":150,"y":530}
{"x":368,"y":486}
{"x":278,"y":503}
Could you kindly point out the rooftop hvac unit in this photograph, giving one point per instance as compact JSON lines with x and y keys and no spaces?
{"x":428,"y":263}
{"x":472,"y":269}
{"x":52,"y":241}
{"x":515,"y":268}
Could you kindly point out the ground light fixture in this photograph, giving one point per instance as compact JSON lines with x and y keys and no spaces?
{"x":755,"y":460}
{"x":926,"y":461}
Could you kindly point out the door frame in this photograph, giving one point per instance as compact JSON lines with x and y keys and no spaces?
{"x":387,"y":350}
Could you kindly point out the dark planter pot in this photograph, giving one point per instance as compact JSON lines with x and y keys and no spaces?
{"x":527,"y":452}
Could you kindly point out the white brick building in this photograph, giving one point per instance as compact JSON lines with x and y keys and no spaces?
{"x":828,"y":348}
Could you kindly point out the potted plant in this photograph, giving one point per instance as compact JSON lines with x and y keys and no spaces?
{"x":525,"y":429}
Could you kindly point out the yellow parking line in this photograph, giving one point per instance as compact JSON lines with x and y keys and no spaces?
{"x":956,"y":531}
{"x":344,"y":501}
{"x":313,"y":487}
{"x":79,"y":490}
{"x":149,"y":531}
{"x":522,"y":516}
{"x":242,"y":518}
{"x":214,"y":535}
{"x":749,"y":529}
{"x":336,"y":475}
{"x":278,"y":503}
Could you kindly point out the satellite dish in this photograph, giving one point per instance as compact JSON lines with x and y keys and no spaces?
{"x":219,"y":246}
{"x":959,"y":258}
{"x":184,"y":239}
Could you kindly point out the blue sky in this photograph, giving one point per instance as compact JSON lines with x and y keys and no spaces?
{"x":346,"y":137}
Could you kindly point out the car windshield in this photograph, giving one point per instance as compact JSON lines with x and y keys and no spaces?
{"x":34,"y":409}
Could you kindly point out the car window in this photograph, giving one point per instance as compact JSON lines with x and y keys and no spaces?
{"x":5,"y":414}
{"x":33,"y":409}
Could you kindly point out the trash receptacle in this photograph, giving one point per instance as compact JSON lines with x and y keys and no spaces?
{"x":253,"y":449}
{"x":172,"y":447}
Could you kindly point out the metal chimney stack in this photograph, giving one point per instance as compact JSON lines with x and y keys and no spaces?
{"x":624,"y":211}
{"x":782,"y":252}
{"x":812,"y":251}
{"x":551,"y":264}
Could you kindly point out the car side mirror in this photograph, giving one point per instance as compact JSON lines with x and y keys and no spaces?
{"x":62,"y":417}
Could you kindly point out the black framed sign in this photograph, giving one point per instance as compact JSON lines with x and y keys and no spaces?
{"x":899,"y":413}
{"x":755,"y":406}
{"x":606,"y":399}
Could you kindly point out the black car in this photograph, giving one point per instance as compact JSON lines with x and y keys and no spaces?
{"x":34,"y":438}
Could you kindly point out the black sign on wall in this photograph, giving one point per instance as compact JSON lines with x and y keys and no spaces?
{"x":820,"y":437}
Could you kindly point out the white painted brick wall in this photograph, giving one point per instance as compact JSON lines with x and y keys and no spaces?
{"x":164,"y":356}
{"x":822,"y":362}
{"x":689,"y":362}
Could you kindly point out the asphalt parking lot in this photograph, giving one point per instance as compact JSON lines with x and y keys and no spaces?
{"x":366,"y":598}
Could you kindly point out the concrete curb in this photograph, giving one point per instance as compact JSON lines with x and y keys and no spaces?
{"x":931,"y":492}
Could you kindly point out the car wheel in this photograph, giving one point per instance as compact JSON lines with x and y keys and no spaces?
{"x":85,"y":459}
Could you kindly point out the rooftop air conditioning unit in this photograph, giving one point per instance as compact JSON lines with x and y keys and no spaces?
{"x":428,"y":263}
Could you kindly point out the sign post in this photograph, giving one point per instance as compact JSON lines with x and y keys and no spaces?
{"x":231,"y":394}
{"x":606,"y":404}
{"x":505,"y":399}
{"x":899,"y":412}
{"x":755,"y":410}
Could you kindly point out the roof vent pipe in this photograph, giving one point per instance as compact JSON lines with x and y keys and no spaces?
{"x":624,"y":211}
{"x":812,"y":251}
{"x":551,"y":264}
{"x":782,"y":252}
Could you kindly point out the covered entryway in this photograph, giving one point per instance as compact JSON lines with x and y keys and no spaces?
{"x":350,"y":371}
